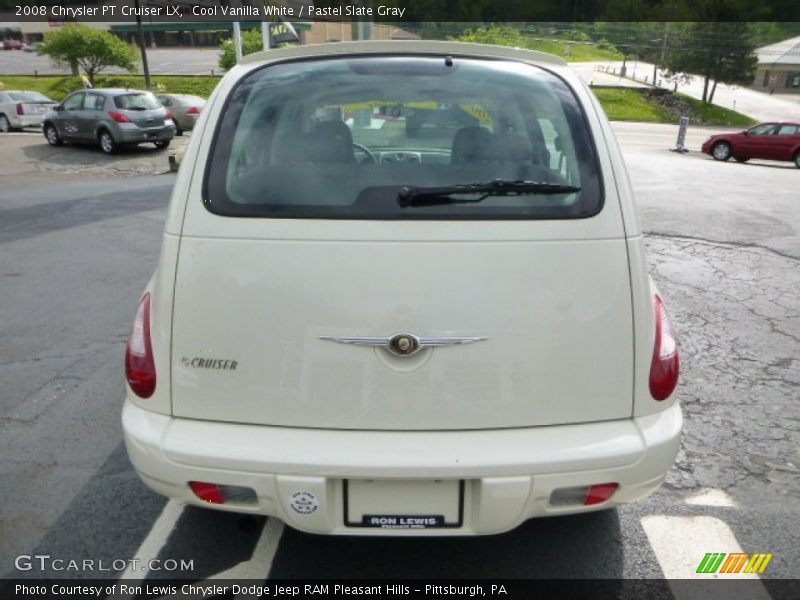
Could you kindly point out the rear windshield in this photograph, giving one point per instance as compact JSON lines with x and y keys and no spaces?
{"x":138,"y":101}
{"x":28,"y":97}
{"x":341,"y":137}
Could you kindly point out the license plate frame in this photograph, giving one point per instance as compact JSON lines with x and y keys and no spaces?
{"x":395,"y":521}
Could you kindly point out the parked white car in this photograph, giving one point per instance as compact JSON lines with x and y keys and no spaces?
{"x":362,"y":329}
{"x":20,"y":109}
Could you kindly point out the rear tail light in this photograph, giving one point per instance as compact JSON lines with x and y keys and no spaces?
{"x":214,"y":493}
{"x":665,"y":366}
{"x":584,"y":495}
{"x":140,"y":368}
{"x":193,"y":111}
{"x":118,"y":117}
{"x":20,"y":109}
{"x":169,"y":115}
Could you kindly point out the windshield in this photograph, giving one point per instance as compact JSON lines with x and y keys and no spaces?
{"x":137,"y":101}
{"x":28,"y":97}
{"x":340,"y":137}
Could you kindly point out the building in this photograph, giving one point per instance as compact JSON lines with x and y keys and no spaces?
{"x":778,"y":67}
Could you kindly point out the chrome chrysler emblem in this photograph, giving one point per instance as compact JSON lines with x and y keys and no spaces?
{"x":403,"y":344}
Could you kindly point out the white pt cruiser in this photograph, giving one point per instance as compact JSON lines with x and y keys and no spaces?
{"x":402,"y":290}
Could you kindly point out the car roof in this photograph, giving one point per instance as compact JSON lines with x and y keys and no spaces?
{"x":404,"y":47}
{"x":114,"y":91}
{"x":172,"y":95}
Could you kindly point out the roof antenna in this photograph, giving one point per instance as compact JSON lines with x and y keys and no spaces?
{"x":448,"y":61}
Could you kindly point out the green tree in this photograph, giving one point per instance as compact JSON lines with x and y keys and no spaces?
{"x":88,"y":48}
{"x":252,"y":41}
{"x":717,"y":51}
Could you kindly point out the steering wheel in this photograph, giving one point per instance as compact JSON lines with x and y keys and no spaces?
{"x":370,"y":156}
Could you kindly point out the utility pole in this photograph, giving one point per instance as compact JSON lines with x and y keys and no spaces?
{"x":265,"y":34}
{"x":237,"y":34}
{"x":140,"y":41}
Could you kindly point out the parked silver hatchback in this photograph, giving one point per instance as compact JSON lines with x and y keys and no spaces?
{"x":110,"y":118}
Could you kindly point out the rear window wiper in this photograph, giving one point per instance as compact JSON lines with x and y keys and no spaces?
{"x":449,"y":194}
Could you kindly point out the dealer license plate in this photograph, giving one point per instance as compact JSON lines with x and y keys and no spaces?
{"x":403,"y":504}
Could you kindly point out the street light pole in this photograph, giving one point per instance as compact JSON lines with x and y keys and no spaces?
{"x":140,"y":41}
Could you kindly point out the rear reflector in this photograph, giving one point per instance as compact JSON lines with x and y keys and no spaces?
{"x":170,"y":116}
{"x":214,"y":493}
{"x":20,"y":109}
{"x":140,"y":367}
{"x":207,"y":492}
{"x":665,"y":366}
{"x":600,"y":493}
{"x":584,"y":495}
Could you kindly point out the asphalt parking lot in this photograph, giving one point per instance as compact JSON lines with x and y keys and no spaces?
{"x":79,"y":245}
{"x":27,"y":158}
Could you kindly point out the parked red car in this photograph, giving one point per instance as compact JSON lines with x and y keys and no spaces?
{"x":13,"y":45}
{"x":772,"y":141}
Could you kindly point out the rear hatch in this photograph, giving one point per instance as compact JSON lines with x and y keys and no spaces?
{"x":142,"y":109}
{"x":296,"y":261}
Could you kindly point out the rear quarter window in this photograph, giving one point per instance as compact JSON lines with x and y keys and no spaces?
{"x":28,"y":97}
{"x":340,"y":137}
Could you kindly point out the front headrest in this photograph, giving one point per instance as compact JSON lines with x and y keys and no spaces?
{"x":468,"y":144}
{"x":327,"y":142}
{"x":507,"y":148}
{"x":477,"y":144}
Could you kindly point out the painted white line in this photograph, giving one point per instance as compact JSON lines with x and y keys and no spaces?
{"x":264,"y":552}
{"x":711,"y":497}
{"x":256,"y":568}
{"x":154,"y":541}
{"x":680,"y":543}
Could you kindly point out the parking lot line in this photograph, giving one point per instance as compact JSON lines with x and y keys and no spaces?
{"x":681,"y":543}
{"x":155,"y":540}
{"x":260,"y":562}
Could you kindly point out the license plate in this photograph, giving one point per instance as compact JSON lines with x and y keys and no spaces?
{"x":403,"y":504}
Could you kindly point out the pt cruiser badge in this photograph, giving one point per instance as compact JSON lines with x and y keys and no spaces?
{"x":403,"y":344}
{"x":198,"y":362}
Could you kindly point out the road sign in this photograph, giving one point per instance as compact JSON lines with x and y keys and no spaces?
{"x":680,"y":144}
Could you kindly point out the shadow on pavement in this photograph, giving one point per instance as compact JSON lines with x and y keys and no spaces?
{"x":581,"y":546}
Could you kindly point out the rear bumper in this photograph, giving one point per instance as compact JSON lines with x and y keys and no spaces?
{"x":26,"y":120}
{"x":134,"y":134}
{"x":509,"y":474}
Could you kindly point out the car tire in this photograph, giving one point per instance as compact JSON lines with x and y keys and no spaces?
{"x":51,"y":135}
{"x":161,"y":144}
{"x":797,"y":159}
{"x":721,"y":151}
{"x":5,"y":124}
{"x":741,"y":159}
{"x":107,"y":143}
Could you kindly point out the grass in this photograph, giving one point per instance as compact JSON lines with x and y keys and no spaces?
{"x":660,"y":106}
{"x":58,"y":86}
{"x":711,"y":114}
{"x":627,"y":104}
{"x":574,"y":51}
